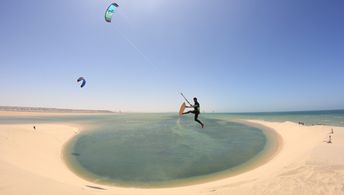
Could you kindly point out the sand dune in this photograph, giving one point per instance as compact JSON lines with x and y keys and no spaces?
{"x":31,"y":163}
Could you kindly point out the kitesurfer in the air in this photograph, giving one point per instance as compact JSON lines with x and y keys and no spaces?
{"x":196,"y":111}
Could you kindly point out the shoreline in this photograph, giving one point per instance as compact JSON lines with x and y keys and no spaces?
{"x":31,"y":162}
{"x":272,"y":147}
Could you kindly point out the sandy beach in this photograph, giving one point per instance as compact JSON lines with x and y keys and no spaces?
{"x":31,"y":162}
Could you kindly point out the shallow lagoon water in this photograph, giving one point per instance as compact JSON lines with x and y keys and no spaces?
{"x":161,"y":150}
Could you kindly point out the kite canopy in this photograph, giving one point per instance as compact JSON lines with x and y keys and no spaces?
{"x":109,"y":11}
{"x":83,"y":81}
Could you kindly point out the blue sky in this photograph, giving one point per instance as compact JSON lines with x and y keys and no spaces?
{"x":234,"y":55}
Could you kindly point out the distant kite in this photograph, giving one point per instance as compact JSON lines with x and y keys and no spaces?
{"x":109,"y":11}
{"x":83,"y":81}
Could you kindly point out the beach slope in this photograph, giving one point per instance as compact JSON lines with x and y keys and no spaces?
{"x":31,"y":162}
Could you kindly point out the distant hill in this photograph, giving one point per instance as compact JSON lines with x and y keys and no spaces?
{"x":54,"y":110}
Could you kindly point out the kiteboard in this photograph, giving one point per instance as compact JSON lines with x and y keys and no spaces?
{"x":181,"y":109}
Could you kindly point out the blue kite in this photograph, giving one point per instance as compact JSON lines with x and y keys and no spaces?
{"x":83,"y":81}
{"x":109,"y":11}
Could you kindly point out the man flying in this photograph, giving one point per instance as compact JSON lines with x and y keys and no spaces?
{"x":196,"y":110}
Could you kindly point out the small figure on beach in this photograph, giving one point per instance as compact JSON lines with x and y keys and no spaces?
{"x":34,"y":127}
{"x":329,"y":139}
{"x":196,"y":110}
{"x":301,"y":123}
{"x":331,"y":131}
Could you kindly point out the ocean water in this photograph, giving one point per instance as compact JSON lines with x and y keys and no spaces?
{"x":322,"y":117}
{"x":327,"y":117}
{"x":157,"y":150}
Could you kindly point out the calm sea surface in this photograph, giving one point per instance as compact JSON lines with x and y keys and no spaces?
{"x":327,"y":117}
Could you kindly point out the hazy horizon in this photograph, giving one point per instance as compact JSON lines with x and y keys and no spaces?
{"x":33,"y":109}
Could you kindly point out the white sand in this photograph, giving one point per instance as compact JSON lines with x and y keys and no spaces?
{"x":31,"y":163}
